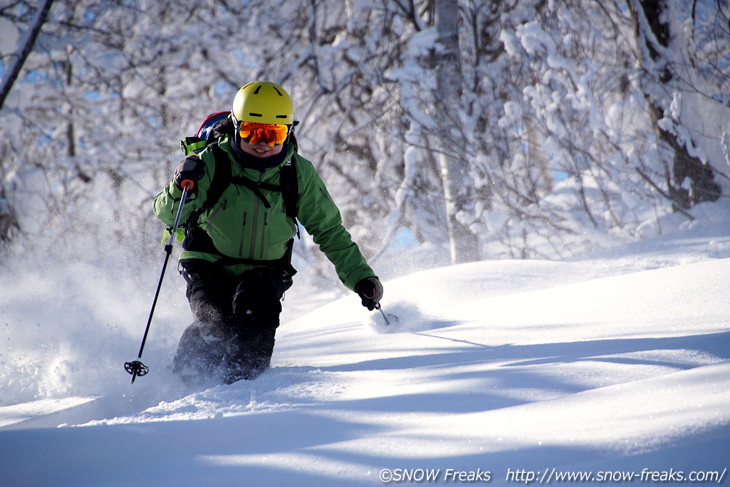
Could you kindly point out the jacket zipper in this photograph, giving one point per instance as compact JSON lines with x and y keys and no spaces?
{"x":254,"y":223}
{"x":263,"y":236}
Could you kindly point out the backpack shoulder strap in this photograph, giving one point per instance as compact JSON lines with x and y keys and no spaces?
{"x":290,"y":187}
{"x":221,"y":176}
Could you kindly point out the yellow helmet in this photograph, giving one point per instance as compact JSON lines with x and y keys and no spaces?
{"x":263,"y":102}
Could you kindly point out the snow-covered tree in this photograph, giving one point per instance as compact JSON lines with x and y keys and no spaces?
{"x":588,"y":113}
{"x":574,"y":121}
{"x":94,"y":123}
{"x":674,"y":80}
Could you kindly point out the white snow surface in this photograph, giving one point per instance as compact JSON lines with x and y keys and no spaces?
{"x":498,"y":371}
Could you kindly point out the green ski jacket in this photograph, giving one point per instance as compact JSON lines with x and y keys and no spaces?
{"x":240,"y":226}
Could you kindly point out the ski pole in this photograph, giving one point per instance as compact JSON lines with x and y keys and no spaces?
{"x":379,"y":308}
{"x":136,"y":368}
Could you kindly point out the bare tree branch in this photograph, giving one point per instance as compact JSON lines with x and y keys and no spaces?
{"x":26,"y":45}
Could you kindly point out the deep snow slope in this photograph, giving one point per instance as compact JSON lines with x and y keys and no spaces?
{"x":508,"y":371}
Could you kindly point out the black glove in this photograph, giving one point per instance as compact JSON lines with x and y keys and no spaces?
{"x":190,"y":169}
{"x":370,"y":291}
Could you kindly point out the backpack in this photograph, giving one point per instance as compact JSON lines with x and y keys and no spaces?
{"x":205,"y":135}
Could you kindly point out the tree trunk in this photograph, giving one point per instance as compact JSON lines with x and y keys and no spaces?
{"x":685,"y":167}
{"x":454,"y":169}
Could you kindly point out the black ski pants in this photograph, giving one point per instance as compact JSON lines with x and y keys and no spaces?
{"x":236,"y":318}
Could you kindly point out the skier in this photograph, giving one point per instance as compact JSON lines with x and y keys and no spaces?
{"x":237,"y":250}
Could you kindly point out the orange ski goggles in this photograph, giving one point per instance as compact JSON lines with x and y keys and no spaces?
{"x":254,"y":133}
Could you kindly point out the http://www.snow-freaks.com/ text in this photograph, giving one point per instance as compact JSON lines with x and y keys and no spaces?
{"x":548,"y":476}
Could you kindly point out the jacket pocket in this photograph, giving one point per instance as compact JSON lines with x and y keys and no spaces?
{"x":217,"y":210}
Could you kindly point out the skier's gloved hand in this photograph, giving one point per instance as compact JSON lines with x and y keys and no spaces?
{"x":370,"y":291}
{"x":190,"y":169}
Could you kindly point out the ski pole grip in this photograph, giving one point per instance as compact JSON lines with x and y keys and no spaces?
{"x":187,"y":184}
